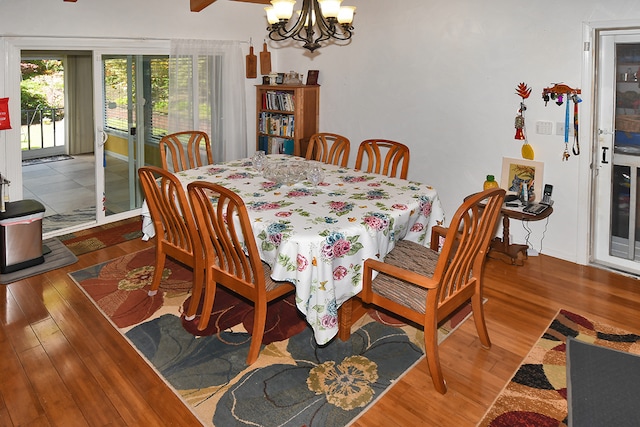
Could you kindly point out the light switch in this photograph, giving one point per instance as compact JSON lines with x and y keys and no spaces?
{"x":544,"y":127}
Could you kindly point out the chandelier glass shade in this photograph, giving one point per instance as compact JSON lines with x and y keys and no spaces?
{"x":316,"y":22}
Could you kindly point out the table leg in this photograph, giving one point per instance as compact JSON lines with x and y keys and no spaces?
{"x":504,"y":245}
{"x":349,"y":313}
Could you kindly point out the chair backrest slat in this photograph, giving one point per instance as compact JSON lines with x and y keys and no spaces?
{"x":383,"y":156}
{"x":226,"y":235}
{"x":466,"y":244}
{"x":183,"y":150}
{"x":170,"y":211}
{"x":329,"y":148}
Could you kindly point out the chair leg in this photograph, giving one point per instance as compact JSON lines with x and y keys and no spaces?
{"x":210,"y":286}
{"x":433,"y":358}
{"x":259,"y":322}
{"x":478,"y":317}
{"x":157,"y":273}
{"x":196,"y":293}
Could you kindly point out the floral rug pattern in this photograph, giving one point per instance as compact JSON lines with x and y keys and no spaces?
{"x":294,"y":381}
{"x":92,"y":239}
{"x":537,"y":393}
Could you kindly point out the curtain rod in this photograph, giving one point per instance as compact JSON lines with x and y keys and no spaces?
{"x":108,"y":38}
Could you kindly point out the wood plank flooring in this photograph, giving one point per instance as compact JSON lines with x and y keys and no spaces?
{"x":62,"y":363}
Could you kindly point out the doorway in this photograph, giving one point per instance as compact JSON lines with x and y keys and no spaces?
{"x":82,"y":60}
{"x":57,"y":135}
{"x":616,"y":228}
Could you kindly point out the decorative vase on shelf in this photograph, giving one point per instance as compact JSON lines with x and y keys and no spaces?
{"x":526,"y":193}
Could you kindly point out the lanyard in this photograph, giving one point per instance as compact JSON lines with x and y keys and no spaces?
{"x":566,"y":122}
{"x":576,"y":142}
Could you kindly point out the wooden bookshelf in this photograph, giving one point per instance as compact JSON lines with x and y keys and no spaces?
{"x":286,"y":116}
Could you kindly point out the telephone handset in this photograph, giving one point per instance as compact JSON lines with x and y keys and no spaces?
{"x":546,"y":195}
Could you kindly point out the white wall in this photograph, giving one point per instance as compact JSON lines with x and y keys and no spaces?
{"x":438,"y":75}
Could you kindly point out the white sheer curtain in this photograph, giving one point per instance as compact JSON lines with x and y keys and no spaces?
{"x":206,"y":93}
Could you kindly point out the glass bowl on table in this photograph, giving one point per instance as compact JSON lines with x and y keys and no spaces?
{"x":315,"y":173}
{"x":259,"y":160}
{"x":288,"y":172}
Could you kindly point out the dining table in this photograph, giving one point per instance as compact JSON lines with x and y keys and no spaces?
{"x":318,"y":236}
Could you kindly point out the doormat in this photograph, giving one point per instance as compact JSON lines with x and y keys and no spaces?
{"x":47,"y":159}
{"x":56,"y":256}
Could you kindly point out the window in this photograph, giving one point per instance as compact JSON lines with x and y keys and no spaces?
{"x":125,"y":79}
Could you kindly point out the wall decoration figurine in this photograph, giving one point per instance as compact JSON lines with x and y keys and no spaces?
{"x":563,"y":94}
{"x":523,"y":91}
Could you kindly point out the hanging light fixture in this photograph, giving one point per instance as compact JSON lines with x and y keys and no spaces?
{"x":317,"y":21}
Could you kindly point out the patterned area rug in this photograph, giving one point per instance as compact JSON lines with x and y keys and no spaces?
{"x":48,"y":159}
{"x":293,"y":382}
{"x":92,"y":239}
{"x":537,"y":393}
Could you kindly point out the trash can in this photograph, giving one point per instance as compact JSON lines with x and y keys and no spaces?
{"x":21,"y":235}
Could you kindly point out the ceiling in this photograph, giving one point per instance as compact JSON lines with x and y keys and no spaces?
{"x":198,"y":5}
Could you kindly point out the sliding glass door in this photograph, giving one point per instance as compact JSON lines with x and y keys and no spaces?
{"x":133,"y":118}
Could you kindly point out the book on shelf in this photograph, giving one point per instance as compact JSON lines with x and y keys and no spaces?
{"x":276,"y":123}
{"x":278,"y":100}
{"x":276,"y":145}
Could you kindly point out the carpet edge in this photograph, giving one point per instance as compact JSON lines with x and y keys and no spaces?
{"x":131,"y":344}
{"x":531,"y":349}
{"x":424,"y":355}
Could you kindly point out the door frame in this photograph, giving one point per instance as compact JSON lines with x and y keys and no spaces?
{"x":589,"y":165}
{"x":10,"y":53}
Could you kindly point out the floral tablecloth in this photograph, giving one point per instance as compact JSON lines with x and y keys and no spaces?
{"x":318,"y":237}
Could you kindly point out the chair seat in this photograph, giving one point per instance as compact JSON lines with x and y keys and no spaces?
{"x":270,"y":284}
{"x":408,"y":256}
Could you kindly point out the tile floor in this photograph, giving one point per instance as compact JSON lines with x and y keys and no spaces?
{"x":66,"y":188}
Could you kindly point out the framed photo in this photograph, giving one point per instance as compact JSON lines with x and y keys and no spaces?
{"x":280,"y":78}
{"x":518,"y":171}
{"x":312,"y":77}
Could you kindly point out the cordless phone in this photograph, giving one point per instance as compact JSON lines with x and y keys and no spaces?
{"x":546,"y":194}
{"x":538,"y":208}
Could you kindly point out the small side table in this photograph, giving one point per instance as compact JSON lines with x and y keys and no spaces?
{"x":503,"y":245}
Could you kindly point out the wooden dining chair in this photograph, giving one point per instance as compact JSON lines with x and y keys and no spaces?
{"x":329,"y":148}
{"x":231,"y":257}
{"x":383,"y":156}
{"x":183,"y":150}
{"x":424,"y":286}
{"x":174,"y":225}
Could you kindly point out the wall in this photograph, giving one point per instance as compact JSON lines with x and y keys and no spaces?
{"x":440,"y":76}
{"x":437,"y":75}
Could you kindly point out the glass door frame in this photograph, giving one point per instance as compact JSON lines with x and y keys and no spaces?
{"x":135,"y":143}
{"x":10,"y":50}
{"x":604,"y":159}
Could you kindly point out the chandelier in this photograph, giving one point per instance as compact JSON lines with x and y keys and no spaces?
{"x":317,"y":21}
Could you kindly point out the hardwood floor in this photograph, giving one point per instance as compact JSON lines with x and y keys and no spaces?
{"x":62,"y":363}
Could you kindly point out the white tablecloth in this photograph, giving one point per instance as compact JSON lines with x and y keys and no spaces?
{"x":318,"y":237}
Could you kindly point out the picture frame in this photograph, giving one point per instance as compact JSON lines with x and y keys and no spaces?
{"x":280,"y":78}
{"x":516,"y":171}
{"x":312,"y":77}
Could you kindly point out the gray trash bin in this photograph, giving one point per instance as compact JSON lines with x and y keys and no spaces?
{"x":21,"y":235}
